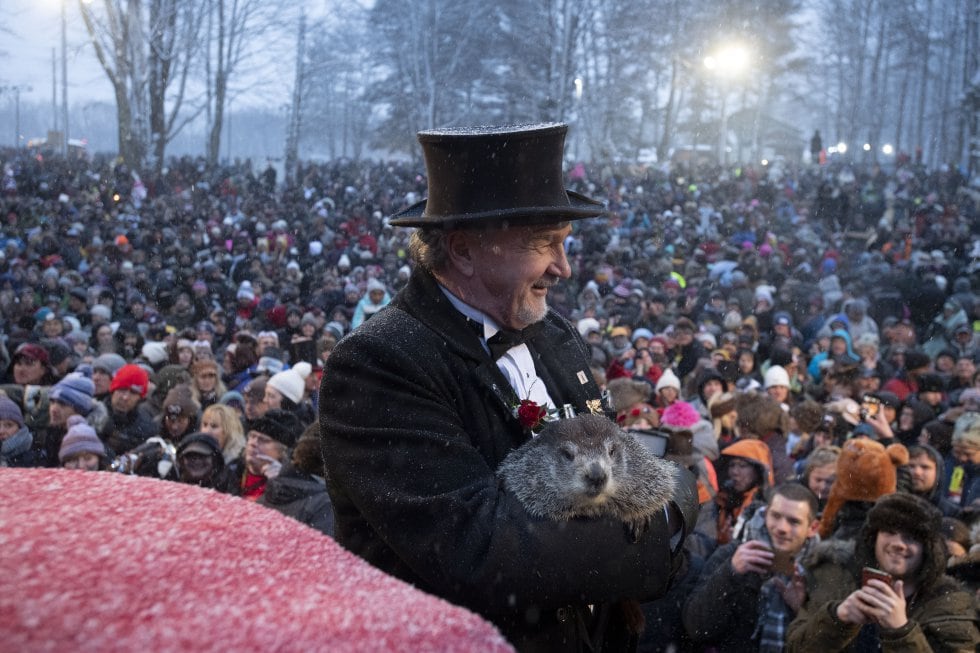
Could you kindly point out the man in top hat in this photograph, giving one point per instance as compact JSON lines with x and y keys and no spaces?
{"x":454,"y":354}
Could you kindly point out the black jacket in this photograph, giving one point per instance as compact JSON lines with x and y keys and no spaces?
{"x":300,"y":496}
{"x":415,"y":418}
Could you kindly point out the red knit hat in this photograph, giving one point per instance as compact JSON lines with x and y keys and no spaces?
{"x":132,"y":377}
{"x":33,"y":351}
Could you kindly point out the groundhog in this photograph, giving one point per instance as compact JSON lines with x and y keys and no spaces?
{"x":586,"y":466}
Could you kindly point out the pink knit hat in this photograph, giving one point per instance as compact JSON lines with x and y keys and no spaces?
{"x":680,"y":414}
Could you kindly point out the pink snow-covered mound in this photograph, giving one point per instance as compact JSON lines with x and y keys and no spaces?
{"x":96,"y":561}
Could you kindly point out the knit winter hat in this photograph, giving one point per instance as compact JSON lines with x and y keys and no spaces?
{"x":245,"y":291}
{"x":132,"y":377}
{"x":679,"y":414}
{"x":866,"y":470}
{"x":776,"y":376}
{"x":10,"y":410}
{"x":101,"y":310}
{"x":289,"y":384}
{"x":108,"y":363}
{"x":233,"y":399}
{"x":155,"y":353}
{"x":668,"y":380}
{"x":280,"y":425}
{"x":80,"y":438}
{"x":180,"y":401}
{"x":587,"y":325}
{"x":303,"y":368}
{"x":966,"y":432}
{"x":75,"y":390}
{"x":33,"y":351}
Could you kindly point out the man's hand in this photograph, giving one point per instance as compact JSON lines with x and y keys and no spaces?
{"x":884,"y":604}
{"x":752,"y":557}
{"x":881,"y":426}
{"x":793,"y":592}
{"x":849,"y":611}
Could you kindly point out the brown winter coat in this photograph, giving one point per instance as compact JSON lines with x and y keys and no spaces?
{"x":942,"y":616}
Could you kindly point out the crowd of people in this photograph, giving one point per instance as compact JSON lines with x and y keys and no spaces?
{"x":804,"y":339}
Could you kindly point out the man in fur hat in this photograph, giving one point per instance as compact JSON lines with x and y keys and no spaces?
{"x":916,"y":607}
{"x":458,"y":349}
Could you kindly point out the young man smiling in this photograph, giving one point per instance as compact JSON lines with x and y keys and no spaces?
{"x":915,"y":608}
{"x":749,"y":592}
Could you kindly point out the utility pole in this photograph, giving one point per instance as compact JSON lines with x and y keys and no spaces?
{"x":16,"y":89}
{"x":64,"y":74}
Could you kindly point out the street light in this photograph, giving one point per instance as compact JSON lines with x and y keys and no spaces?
{"x":728,"y":63}
{"x":842,"y":147}
{"x":887,"y":149}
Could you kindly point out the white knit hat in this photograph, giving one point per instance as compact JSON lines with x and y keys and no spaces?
{"x":776,"y":376}
{"x":668,"y":380}
{"x":290,"y":385}
{"x":303,"y":368}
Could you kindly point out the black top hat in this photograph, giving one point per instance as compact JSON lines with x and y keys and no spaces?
{"x":481,"y":177}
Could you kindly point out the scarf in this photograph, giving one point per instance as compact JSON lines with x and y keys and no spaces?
{"x":16,"y":445}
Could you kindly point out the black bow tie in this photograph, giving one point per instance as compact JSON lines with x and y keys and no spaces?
{"x":505,"y":339}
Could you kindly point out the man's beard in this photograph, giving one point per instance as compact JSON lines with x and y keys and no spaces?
{"x":533,"y":309}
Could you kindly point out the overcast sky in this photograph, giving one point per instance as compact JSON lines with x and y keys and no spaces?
{"x":31,"y":29}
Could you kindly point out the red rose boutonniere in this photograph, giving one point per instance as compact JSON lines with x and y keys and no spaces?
{"x":531,"y":415}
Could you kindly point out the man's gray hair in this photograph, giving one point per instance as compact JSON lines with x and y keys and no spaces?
{"x":429,"y":248}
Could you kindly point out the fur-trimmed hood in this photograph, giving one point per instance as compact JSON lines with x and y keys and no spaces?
{"x":855,"y":554}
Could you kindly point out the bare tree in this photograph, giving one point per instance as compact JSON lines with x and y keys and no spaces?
{"x":236,"y":31}
{"x":147,"y":54}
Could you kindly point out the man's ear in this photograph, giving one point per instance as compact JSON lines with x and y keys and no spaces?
{"x":814,"y":527}
{"x":461,"y":248}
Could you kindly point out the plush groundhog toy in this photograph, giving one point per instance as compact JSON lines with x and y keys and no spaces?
{"x":586,"y":466}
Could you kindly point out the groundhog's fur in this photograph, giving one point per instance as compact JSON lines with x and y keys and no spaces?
{"x":587,"y":466}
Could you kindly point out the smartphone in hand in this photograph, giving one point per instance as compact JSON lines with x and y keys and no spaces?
{"x":869,"y":573}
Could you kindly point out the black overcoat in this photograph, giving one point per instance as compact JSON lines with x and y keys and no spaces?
{"x":415,"y":418}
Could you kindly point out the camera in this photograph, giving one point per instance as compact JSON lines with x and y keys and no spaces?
{"x":156,"y":456}
{"x":869,"y":407}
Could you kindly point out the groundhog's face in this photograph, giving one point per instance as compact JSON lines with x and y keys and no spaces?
{"x":589,"y":467}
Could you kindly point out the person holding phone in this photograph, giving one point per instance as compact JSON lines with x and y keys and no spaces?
{"x":887,"y":590}
{"x":750,"y":591}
